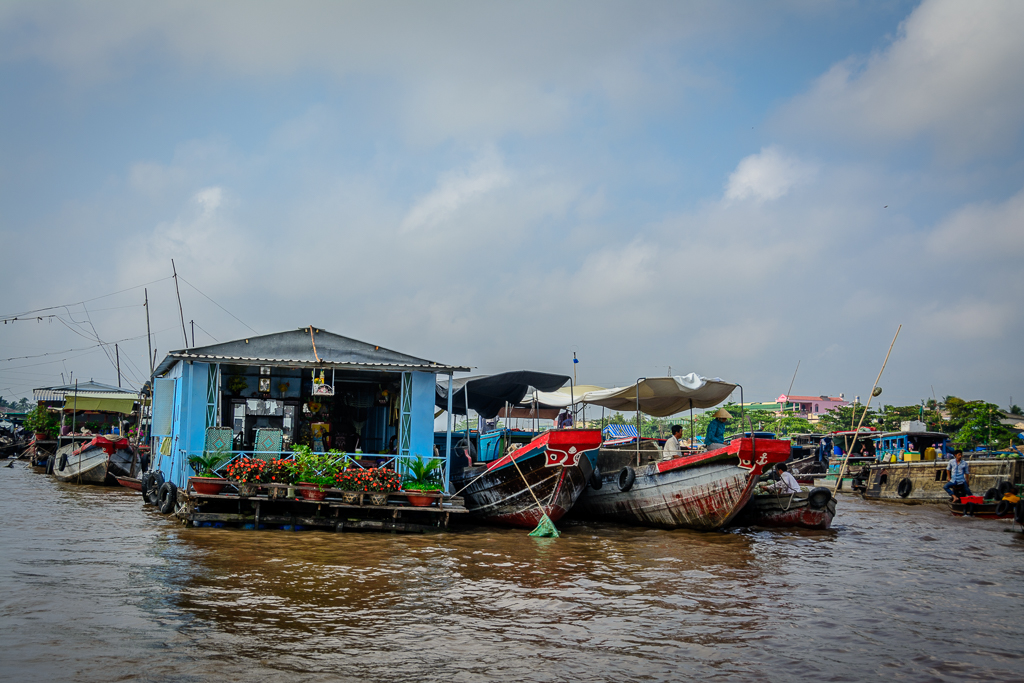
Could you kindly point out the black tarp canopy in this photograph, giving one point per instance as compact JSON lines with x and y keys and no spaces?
{"x":489,"y":393}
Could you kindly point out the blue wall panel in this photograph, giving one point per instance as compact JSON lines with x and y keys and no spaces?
{"x":422,"y":427}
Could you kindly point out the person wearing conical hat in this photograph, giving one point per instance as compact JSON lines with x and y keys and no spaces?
{"x":715,"y":437}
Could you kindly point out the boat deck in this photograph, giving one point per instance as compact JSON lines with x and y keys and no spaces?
{"x":332,"y":513}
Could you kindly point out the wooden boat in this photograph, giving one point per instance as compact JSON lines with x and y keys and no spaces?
{"x":702,"y":491}
{"x":976,"y":506}
{"x":812,"y":509}
{"x":556,"y":466}
{"x":97,"y":461}
{"x":130,"y":482}
{"x":922,"y":481}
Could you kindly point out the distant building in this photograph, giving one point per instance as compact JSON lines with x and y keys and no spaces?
{"x":810,"y":407}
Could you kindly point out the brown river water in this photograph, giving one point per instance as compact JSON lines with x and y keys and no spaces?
{"x":93,"y":587}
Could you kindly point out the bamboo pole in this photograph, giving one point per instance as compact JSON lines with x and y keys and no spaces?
{"x":842,"y":468}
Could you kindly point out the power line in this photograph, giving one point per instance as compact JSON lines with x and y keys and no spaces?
{"x":77,"y":303}
{"x":215,"y":304}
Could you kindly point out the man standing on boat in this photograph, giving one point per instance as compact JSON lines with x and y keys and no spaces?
{"x":959,"y":475}
{"x":715,"y":437}
{"x":672,"y":448}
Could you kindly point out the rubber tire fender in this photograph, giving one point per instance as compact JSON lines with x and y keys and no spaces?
{"x":904,"y":488}
{"x":1005,"y":487}
{"x":49,"y":464}
{"x":464,"y":445}
{"x":151,"y":493}
{"x":993,"y":494}
{"x":168,"y":497}
{"x":1002,"y":507}
{"x":1018,"y":512}
{"x":63,"y":462}
{"x":626,"y":478}
{"x":818,"y":498}
{"x":595,"y":479}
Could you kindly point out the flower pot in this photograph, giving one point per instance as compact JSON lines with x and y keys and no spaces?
{"x":421,"y":501}
{"x":350,"y":497}
{"x":246,"y":489}
{"x":377,"y":498}
{"x":311,"y":491}
{"x":208,"y":486}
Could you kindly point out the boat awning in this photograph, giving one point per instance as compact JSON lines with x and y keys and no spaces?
{"x":664,"y":396}
{"x":104,"y":403}
{"x":488,"y":394}
{"x":560,"y":398}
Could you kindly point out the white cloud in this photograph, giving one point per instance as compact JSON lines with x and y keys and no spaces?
{"x":453,"y":192}
{"x":768,"y":175}
{"x":953,"y":73}
{"x":982,"y":232}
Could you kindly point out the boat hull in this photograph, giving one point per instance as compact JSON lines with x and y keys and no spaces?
{"x":556,"y":467}
{"x":929,"y":476}
{"x":703,"y":491}
{"x":782,"y":511}
{"x":99,"y":461}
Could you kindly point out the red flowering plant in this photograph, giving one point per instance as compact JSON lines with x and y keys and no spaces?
{"x":373,"y":480}
{"x":247,"y":471}
{"x":279,"y":471}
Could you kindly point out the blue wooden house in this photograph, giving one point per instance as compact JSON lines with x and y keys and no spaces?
{"x":305,"y":386}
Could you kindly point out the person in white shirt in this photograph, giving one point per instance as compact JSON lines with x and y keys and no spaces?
{"x":787,"y":483}
{"x":672,"y":448}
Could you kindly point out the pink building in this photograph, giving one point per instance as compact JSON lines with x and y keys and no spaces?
{"x":810,"y":407}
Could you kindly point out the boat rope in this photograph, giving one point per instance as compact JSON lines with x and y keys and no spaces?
{"x":545,"y":527}
{"x":313,"y":341}
{"x":478,"y":476}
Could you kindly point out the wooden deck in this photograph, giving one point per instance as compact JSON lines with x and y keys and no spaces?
{"x":332,"y":513}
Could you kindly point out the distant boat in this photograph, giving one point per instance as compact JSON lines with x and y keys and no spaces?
{"x":552,"y":469}
{"x":97,"y":461}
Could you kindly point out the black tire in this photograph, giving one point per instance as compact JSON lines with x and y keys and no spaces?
{"x":818,"y":497}
{"x":1002,"y":507}
{"x":49,"y":465}
{"x":463,"y":445}
{"x":595,"y":479}
{"x":168,"y":497}
{"x":151,"y":493}
{"x":626,"y":478}
{"x":1006,"y":487}
{"x":993,"y":494}
{"x":904,"y":488}
{"x":1018,"y":511}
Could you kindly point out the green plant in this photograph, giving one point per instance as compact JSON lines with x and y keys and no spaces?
{"x":373,"y":480}
{"x":309,"y":465}
{"x":247,"y":470}
{"x":42,"y":421}
{"x":423,"y":474}
{"x":280,"y":471}
{"x":206,"y":465}
{"x":237,"y":384}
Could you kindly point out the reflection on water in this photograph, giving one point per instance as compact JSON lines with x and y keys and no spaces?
{"x":97,"y":588}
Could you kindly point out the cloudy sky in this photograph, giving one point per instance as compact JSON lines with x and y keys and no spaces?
{"x":725,"y":188}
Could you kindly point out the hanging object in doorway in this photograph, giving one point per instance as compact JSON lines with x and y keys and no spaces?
{"x":320,"y":387}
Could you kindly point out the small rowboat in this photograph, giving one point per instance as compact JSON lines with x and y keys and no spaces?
{"x":702,"y":491}
{"x":812,"y":509}
{"x":554,"y":466}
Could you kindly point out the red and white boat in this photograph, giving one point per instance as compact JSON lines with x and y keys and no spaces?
{"x":97,"y":461}
{"x":702,"y":491}
{"x":814,"y":509}
{"x":552,"y":469}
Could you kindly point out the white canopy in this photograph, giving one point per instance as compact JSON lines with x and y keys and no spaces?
{"x":664,"y":396}
{"x":562,"y":398}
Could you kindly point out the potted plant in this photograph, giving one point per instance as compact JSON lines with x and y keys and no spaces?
{"x":237,"y":384}
{"x":381,"y":482}
{"x":350,"y":482}
{"x":207,"y":482}
{"x":41,"y":421}
{"x":315,"y":472}
{"x":423,"y":477}
{"x":246,"y":474}
{"x":280,"y":472}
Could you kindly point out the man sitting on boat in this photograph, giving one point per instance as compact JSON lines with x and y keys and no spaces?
{"x":959,"y":476}
{"x":672,"y":448}
{"x":786,"y":484}
{"x":715,"y":437}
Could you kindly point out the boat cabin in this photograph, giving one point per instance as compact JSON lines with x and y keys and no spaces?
{"x":307,"y":386}
{"x":910,"y":446}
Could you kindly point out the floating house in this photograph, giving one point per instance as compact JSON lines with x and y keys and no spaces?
{"x":305,"y":386}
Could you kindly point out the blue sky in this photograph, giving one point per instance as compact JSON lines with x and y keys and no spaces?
{"x":724,"y":188}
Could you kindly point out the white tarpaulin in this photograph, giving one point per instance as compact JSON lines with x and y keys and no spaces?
{"x":562,"y":398}
{"x":664,"y":396}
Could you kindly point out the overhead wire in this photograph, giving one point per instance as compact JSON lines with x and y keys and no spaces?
{"x":217,"y":304}
{"x":104,"y":296}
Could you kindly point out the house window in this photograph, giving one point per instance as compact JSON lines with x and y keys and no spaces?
{"x":815,"y":407}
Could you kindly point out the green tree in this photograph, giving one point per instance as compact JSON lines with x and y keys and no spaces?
{"x":845,"y":418}
{"x":981,"y":426}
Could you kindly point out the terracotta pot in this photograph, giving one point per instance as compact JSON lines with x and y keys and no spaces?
{"x":311,"y":491}
{"x":421,"y":501}
{"x":208,"y":486}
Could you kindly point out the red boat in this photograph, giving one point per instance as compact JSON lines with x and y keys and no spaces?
{"x":702,"y":491}
{"x":812,"y":509}
{"x":976,"y":506}
{"x":554,"y":466}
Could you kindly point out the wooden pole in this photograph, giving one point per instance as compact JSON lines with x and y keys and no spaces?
{"x":117,"y":355}
{"x":842,"y":468}
{"x":180,"y":311}
{"x":149,"y":337}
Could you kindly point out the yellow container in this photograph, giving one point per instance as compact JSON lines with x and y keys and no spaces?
{"x":911,"y":457}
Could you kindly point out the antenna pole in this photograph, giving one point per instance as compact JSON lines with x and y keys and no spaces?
{"x":149,"y":337}
{"x":117,"y":355}
{"x":180,"y":311}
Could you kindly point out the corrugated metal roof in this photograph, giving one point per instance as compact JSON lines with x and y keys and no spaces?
{"x":185,"y":355}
